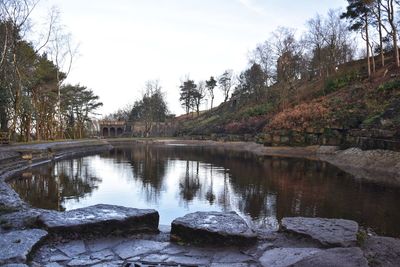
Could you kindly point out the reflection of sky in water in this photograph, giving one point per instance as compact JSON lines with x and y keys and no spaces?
{"x":178,"y":180}
{"x":119,"y":186}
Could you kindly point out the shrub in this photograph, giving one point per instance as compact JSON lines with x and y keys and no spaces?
{"x":333,"y":84}
{"x":389,"y":86}
{"x":371,"y":120}
{"x":258,"y":110}
{"x":300,"y":117}
{"x":250,"y":125}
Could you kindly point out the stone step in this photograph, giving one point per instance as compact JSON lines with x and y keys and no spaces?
{"x":328,"y":232}
{"x":217,"y":228}
{"x":101,"y":219}
{"x":16,"y":246}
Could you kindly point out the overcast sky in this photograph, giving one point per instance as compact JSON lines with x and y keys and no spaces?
{"x":124,"y":43}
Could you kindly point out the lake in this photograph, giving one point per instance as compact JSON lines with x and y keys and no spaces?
{"x":176,"y":180}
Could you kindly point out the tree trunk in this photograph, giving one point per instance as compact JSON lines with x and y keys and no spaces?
{"x":395,"y":47}
{"x":367,"y":45}
{"x":381,"y":35}
{"x":373,"y":60}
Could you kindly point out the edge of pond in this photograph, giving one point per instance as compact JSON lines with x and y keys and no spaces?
{"x":378,"y":166}
{"x":375,"y":165}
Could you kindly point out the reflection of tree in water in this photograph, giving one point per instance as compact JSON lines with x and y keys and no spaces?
{"x":48,"y":186}
{"x":262,"y":187}
{"x":189,"y":184}
{"x":210,"y":194}
{"x":249,"y":185}
{"x":148,"y":166}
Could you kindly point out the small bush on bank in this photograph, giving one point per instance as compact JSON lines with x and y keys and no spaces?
{"x":333,"y":84}
{"x":300,"y":117}
{"x":389,"y":86}
{"x":258,"y":110}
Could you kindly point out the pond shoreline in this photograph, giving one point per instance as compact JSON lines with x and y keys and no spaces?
{"x":15,"y":215}
{"x":378,"y":166}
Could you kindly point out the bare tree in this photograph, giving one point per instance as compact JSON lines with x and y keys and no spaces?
{"x":62,"y":52}
{"x":264,"y":56}
{"x":329,"y":43}
{"x":199,"y":94}
{"x":314,"y":38}
{"x":225,"y":82}
{"x":211,"y":84}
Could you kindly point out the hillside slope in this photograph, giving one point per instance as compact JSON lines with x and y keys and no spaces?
{"x":348,"y":109}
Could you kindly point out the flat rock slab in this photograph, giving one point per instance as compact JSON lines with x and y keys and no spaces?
{"x":101,"y":219}
{"x":335,"y":257}
{"x":131,"y":249}
{"x":217,"y":228}
{"x":283,"y":257}
{"x":382,"y":251}
{"x":72,"y":248}
{"x":16,"y":246}
{"x":329,"y":232}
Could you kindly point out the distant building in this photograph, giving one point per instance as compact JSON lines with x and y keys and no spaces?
{"x":112,"y":128}
{"x":115,"y":129}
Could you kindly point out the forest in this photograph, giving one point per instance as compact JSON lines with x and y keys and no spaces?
{"x":35,"y":101}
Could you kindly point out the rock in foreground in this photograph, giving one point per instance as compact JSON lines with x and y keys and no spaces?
{"x":335,"y":257}
{"x":101,"y":219}
{"x":212,"y":228}
{"x":16,"y":246}
{"x":329,"y":232}
{"x":283,"y":257}
{"x":382,"y":251}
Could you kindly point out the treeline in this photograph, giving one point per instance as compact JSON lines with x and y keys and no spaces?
{"x":286,"y":57}
{"x":35,"y":104}
{"x":150,"y":109}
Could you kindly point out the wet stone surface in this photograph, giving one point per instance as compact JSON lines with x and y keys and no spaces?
{"x":335,"y":257}
{"x":276,"y":249}
{"x":133,"y":251}
{"x":329,"y":232}
{"x":16,"y":246}
{"x":100,"y":219}
{"x":212,"y":228}
{"x":280,"y":257}
{"x":382,"y":251}
{"x":19,"y":220}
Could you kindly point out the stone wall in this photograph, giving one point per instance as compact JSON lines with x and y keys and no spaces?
{"x":363,"y":138}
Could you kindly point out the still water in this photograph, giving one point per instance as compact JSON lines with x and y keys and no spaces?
{"x":176,"y":180}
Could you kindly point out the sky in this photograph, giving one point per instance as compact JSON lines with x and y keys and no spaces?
{"x":124,"y":43}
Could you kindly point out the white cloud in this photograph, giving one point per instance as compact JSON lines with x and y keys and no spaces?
{"x":249,"y":4}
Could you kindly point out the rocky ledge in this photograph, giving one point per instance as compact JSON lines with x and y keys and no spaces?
{"x":209,"y":239}
{"x":104,"y":219}
{"x":212,"y":228}
{"x":329,"y":232}
{"x":16,"y":246}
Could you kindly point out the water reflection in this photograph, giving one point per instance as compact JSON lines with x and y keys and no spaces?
{"x":177,"y":180}
{"x":50,"y":185}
